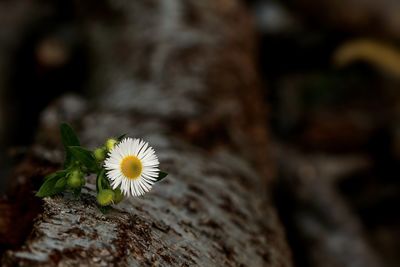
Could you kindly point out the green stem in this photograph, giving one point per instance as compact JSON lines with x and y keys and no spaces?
{"x":99,"y":178}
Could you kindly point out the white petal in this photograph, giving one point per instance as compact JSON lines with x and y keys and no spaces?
{"x":145,"y":153}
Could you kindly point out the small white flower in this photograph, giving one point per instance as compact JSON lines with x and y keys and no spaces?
{"x":132,"y":165}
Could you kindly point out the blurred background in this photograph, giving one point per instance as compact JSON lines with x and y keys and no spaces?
{"x":331,"y":72}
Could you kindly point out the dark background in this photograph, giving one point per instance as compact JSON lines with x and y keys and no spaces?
{"x":331,"y":72}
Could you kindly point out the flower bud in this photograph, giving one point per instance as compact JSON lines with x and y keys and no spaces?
{"x":100,"y":153}
{"x":105,"y":197}
{"x":75,"y":179}
{"x":118,"y":196}
{"x":110,"y":143}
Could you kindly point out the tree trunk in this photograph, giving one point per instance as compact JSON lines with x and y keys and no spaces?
{"x":180,"y":74}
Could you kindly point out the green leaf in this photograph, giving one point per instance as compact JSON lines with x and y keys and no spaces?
{"x":161,"y":175}
{"x":85,"y":157}
{"x":57,"y":173}
{"x":68,"y":136}
{"x":119,"y":139}
{"x":77,"y":192}
{"x":68,"y":159}
{"x":50,"y":176}
{"x":49,"y":188}
{"x":104,"y":209}
{"x":61,"y":183}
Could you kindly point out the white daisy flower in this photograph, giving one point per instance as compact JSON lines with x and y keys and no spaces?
{"x":132,"y":165}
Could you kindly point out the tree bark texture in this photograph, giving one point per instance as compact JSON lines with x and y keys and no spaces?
{"x":181,"y":75}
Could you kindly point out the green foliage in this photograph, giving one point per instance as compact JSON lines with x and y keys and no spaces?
{"x":61,"y":183}
{"x":161,"y":175}
{"x":78,"y":162}
{"x":85,"y":157}
{"x":49,"y":187}
{"x":100,"y":153}
{"x":122,"y":136}
{"x":75,"y":179}
{"x":68,"y":138}
{"x":105,"y":197}
{"x":110,"y":143}
{"x":118,"y":196}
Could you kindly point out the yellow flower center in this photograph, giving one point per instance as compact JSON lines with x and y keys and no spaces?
{"x":131,"y":167}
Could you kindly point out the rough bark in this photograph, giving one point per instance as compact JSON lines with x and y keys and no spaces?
{"x":180,"y":74}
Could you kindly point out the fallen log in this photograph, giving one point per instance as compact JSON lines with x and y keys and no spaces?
{"x":182,"y":75}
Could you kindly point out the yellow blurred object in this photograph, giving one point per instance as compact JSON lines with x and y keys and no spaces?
{"x":52,"y":52}
{"x":379,"y":54}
